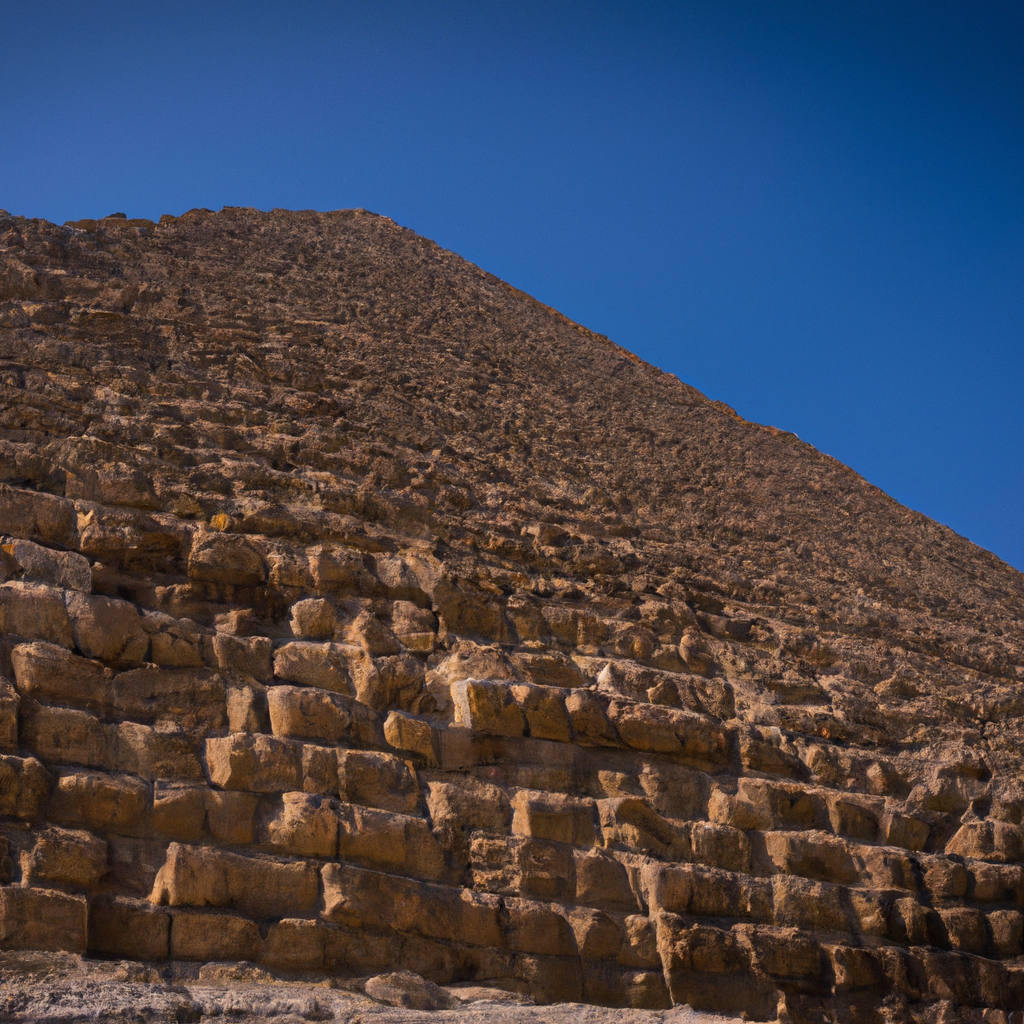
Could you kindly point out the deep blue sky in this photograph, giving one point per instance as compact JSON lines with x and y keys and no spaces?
{"x":813,"y":211}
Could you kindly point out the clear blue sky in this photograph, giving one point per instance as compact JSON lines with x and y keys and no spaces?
{"x":813,"y":211}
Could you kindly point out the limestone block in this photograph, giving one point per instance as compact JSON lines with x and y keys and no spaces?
{"x":311,"y":714}
{"x":409,"y":990}
{"x":649,"y":727}
{"x":470,"y":804}
{"x":179,"y":812}
{"x":855,"y":968}
{"x":368,"y":632}
{"x":361,"y":898}
{"x":813,"y":855}
{"x":360,"y":952}
{"x":66,"y":736}
{"x":631,"y":822}
{"x":66,"y":570}
{"x":107,"y":628}
{"x":515,"y":865}
{"x":339,"y":569}
{"x":98,"y":800}
{"x":1006,"y":932}
{"x":549,"y":668}
{"x":944,"y":879}
{"x":252,"y":762}
{"x":719,"y":846}
{"x":313,"y":664}
{"x":313,"y":619}
{"x":294,"y":945}
{"x":133,"y":929}
{"x":904,"y":830}
{"x":389,"y":842}
{"x":908,"y":922}
{"x":707,"y":892}
{"x":174,"y":643}
{"x":55,"y":675}
{"x":42,"y":919}
{"x":389,"y":682}
{"x":230,"y":816}
{"x":761,"y":750}
{"x":225,"y":558}
{"x":601,"y":881}
{"x":997,"y":841}
{"x":640,"y":943}
{"x":544,"y":708}
{"x":36,"y":516}
{"x":762,"y":805}
{"x":248,"y":655}
{"x":192,"y":698}
{"x":63,"y":856}
{"x":965,"y":928}
{"x":549,"y":979}
{"x":856,"y":816}
{"x":414,"y":627}
{"x":377,"y":780}
{"x":599,"y":936}
{"x":487,"y":708}
{"x":554,"y":816}
{"x":784,"y":954}
{"x":304,"y":824}
{"x":10,"y":705}
{"x":319,"y":769}
{"x":820,"y":906}
{"x":246,"y":706}
{"x":995,"y":883}
{"x":412,"y":736}
{"x":589,"y":721}
{"x":538,"y":928}
{"x":259,"y":887}
{"x":888,"y":868}
{"x":34,"y":612}
{"x":205,"y":936}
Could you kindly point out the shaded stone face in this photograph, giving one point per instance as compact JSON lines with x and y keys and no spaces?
{"x":360,"y":616}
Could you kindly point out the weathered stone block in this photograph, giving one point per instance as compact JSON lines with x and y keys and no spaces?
{"x":305,"y":825}
{"x":601,"y":881}
{"x":631,"y":822}
{"x":65,"y":570}
{"x":412,"y":736}
{"x":249,"y":655}
{"x":312,"y":714}
{"x":247,"y":707}
{"x":179,"y":812}
{"x":998,"y":841}
{"x":469,"y":804}
{"x":395,"y":681}
{"x":554,"y":816}
{"x":224,"y":558}
{"x":10,"y":705}
{"x":174,"y":643}
{"x":256,"y":763}
{"x":904,"y":830}
{"x":589,"y":721}
{"x":64,"y":856}
{"x":518,"y":866}
{"x":599,"y":936}
{"x":814,"y":855}
{"x":108,"y":629}
{"x":389,"y":842}
{"x":66,"y":736}
{"x":1006,"y":932}
{"x":99,"y":800}
{"x":40,"y":517}
{"x":801,"y":903}
{"x":192,"y":698}
{"x":204,"y":935}
{"x":121,"y":926}
{"x":42,"y":919}
{"x":230,"y":816}
{"x":294,"y":945}
{"x":34,"y":612}
{"x":719,"y":846}
{"x":53,"y":674}
{"x":965,"y":928}
{"x":487,"y":708}
{"x":549,"y":668}
{"x":377,"y":780}
{"x":313,"y":619}
{"x":656,"y":729}
{"x":538,"y":928}
{"x":259,"y":887}
{"x":326,"y":666}
{"x":544,"y":708}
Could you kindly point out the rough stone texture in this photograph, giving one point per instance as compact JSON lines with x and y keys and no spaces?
{"x":360,"y":615}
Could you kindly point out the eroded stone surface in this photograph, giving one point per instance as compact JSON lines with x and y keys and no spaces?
{"x":359,"y":614}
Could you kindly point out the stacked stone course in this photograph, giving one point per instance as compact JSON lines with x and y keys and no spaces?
{"x":318,"y":653}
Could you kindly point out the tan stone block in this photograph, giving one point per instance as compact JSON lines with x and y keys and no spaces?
{"x":814,"y":855}
{"x":248,"y":655}
{"x":164,"y":752}
{"x":63,"y":856}
{"x":1006,"y":931}
{"x":53,"y":674}
{"x":230,"y":816}
{"x":549,"y":668}
{"x":313,"y":714}
{"x":589,"y":721}
{"x":37,"y":516}
{"x":554,"y":816}
{"x":470,"y":804}
{"x":319,"y":769}
{"x":966,"y":929}
{"x":205,"y":935}
{"x":538,"y":928}
{"x":190,"y":698}
{"x":601,"y":881}
{"x":908,"y":922}
{"x":294,"y":945}
{"x":225,"y":558}
{"x":255,"y":763}
{"x":658,"y":729}
{"x":631,"y":822}
{"x":368,"y":632}
{"x":719,"y":846}
{"x":313,"y":618}
{"x":904,"y":830}
{"x":171,"y":651}
{"x":412,"y":736}
{"x":107,"y":628}
{"x":944,"y":879}
{"x":66,"y":736}
{"x":99,"y":800}
{"x":389,"y":842}
{"x":34,"y":612}
{"x":995,"y":883}
{"x":549,"y":979}
{"x":65,"y":570}
{"x":514,"y":865}
{"x":247,"y":708}
{"x":377,"y":780}
{"x":640,"y":945}
{"x":801,"y":903}
{"x":179,"y":812}
{"x":324,"y":665}
{"x":855,"y":968}
{"x":130,"y":928}
{"x":487,"y":708}
{"x":360,"y":952}
{"x":856,"y":816}
{"x":382,"y":683}
{"x":304,"y":825}
{"x":10,"y":705}
{"x":544,"y":707}
{"x":599,"y":936}
{"x":42,"y":919}
{"x":998,"y":841}
{"x":414,"y":627}
{"x":260,"y":887}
